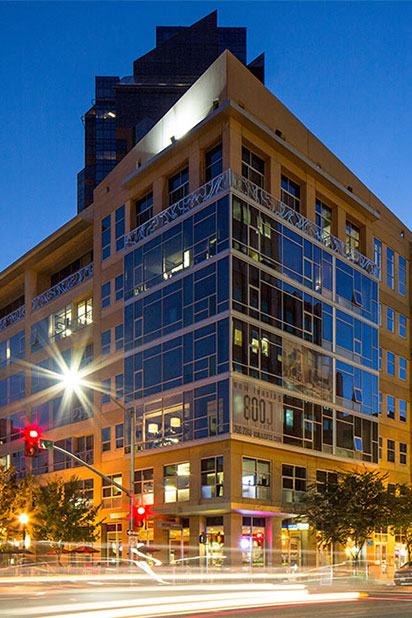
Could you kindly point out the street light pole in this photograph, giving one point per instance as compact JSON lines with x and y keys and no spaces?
{"x":71,"y":380}
{"x":132,"y":414}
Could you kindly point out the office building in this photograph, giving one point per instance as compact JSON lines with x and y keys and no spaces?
{"x":125,"y":109}
{"x":247,"y":297}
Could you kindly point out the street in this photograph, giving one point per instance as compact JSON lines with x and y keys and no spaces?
{"x":105,"y":597}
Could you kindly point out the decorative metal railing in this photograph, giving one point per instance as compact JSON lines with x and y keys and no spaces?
{"x":205,"y":193}
{"x":231,"y":180}
{"x":65,"y":328}
{"x":252,"y":191}
{"x":62,"y":287}
{"x":12,"y":317}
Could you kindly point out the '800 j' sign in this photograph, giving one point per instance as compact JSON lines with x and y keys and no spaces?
{"x":256,"y":412}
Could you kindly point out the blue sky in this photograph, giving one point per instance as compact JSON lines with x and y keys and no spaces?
{"x":343,"y":68}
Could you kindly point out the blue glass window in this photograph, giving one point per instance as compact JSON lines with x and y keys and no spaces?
{"x":390,"y":363}
{"x":402,"y":368}
{"x":390,"y":319}
{"x":377,"y":255}
{"x":390,"y":406}
{"x":357,"y":388}
{"x":106,"y":390}
{"x":106,"y":342}
{"x":118,"y":288}
{"x":178,"y":186}
{"x":119,"y":227}
{"x":213,"y":162}
{"x":106,"y":237}
{"x":119,"y":383}
{"x":39,"y":334}
{"x":12,"y":388}
{"x":178,"y":304}
{"x":118,"y":337}
{"x":106,"y":294}
{"x":174,"y":250}
{"x":144,"y":209}
{"x":402,"y":326}
{"x":402,"y":410}
{"x":402,"y":276}
{"x":390,"y":268}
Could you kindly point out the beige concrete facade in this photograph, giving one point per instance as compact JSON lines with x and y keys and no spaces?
{"x":226,"y":105}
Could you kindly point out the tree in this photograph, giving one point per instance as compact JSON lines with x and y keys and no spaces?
{"x":14,"y":499}
{"x":351,"y":507}
{"x":62,"y":515}
{"x":401,"y":513}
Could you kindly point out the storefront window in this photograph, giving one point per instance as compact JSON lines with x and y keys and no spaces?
{"x":252,"y":542}
{"x":215,"y":539}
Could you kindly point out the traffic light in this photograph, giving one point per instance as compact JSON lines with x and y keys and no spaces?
{"x":140,"y":514}
{"x":31,"y":442}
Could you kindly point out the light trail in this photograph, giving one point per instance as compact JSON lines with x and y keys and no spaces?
{"x":172,"y":605}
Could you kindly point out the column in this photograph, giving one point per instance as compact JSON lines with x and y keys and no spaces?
{"x":159,"y":194}
{"x":194,"y":167}
{"x":130,"y":223}
{"x":310,"y":199}
{"x":340,"y":224}
{"x":232,"y":147}
{"x":30,"y":289}
{"x":367,"y":241}
{"x":275,"y":173}
{"x":232,"y":523}
{"x":276,"y":540}
{"x":197,"y":528}
{"x":161,"y":541}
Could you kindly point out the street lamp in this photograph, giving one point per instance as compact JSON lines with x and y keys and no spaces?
{"x":24,"y":520}
{"x":72,"y":380}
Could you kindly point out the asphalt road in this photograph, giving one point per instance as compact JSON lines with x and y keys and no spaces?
{"x":97,"y":598}
{"x":363,"y":608}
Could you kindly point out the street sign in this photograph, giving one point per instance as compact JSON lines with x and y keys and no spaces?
{"x":47,"y":445}
{"x":168,"y":525}
{"x":132,"y":533}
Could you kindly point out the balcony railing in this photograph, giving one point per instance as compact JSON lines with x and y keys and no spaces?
{"x":231,"y":180}
{"x":65,"y":328}
{"x":12,"y":317}
{"x":252,"y":191}
{"x":205,"y":193}
{"x":62,"y":287}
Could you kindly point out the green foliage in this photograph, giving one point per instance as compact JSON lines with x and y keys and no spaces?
{"x":353,"y":507}
{"x":62,"y":515}
{"x":14,"y":499}
{"x":401,"y":513}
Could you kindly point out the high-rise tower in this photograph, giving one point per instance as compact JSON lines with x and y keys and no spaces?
{"x":126,"y":108}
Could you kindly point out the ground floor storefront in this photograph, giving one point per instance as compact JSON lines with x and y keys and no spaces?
{"x":230,"y":539}
{"x":258,"y":540}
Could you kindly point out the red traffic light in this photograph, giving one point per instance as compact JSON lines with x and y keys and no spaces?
{"x":31,"y":441}
{"x":140,"y":514}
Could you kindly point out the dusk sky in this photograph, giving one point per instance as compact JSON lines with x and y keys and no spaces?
{"x":343,"y":68}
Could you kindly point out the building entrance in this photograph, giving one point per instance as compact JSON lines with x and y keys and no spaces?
{"x":215,"y":539}
{"x":179,"y":538}
{"x":291,"y":547}
{"x":252,"y":542}
{"x":112,"y":549}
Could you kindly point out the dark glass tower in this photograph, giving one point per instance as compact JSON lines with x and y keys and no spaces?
{"x":125,"y":109}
